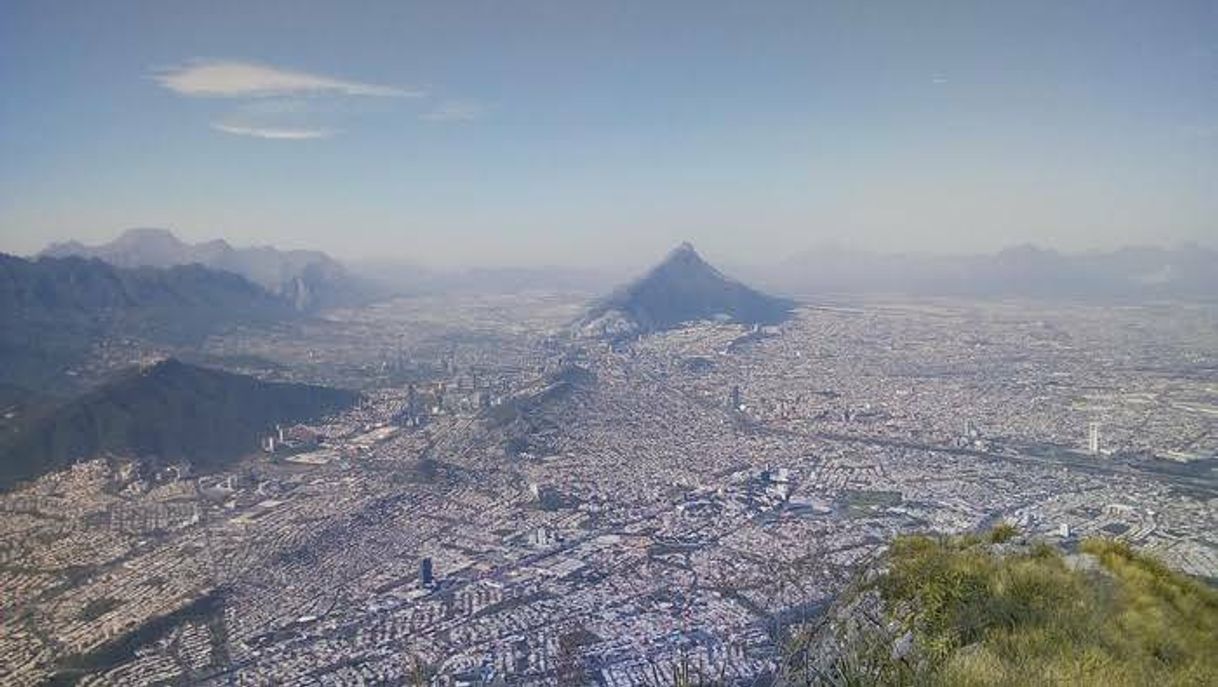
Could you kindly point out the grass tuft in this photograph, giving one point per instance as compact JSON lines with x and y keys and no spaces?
{"x":1003,"y":532}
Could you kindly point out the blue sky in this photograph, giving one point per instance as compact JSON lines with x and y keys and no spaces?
{"x":602,"y":133}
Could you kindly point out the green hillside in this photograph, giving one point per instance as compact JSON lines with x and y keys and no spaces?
{"x":988,"y":611}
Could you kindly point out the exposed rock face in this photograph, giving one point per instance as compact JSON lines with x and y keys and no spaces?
{"x":305,"y":279}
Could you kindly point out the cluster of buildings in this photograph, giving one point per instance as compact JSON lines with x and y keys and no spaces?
{"x":666,"y":515}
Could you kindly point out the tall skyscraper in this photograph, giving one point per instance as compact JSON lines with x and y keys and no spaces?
{"x":425,"y":574}
{"x":1093,"y":439}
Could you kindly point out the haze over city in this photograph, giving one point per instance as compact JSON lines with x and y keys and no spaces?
{"x":593,"y":134}
{"x":614,"y":344}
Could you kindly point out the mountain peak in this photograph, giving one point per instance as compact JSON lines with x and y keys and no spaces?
{"x":283,"y":273}
{"x":144,"y":234}
{"x":683,"y":254}
{"x":681,"y":288}
{"x":684,"y":248}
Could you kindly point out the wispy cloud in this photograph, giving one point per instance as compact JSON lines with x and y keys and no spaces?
{"x":454,"y":111}
{"x":234,"y":79}
{"x":282,"y":134}
{"x":289,"y":105}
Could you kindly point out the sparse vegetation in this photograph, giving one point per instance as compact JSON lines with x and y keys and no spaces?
{"x":1003,"y":532}
{"x":1106,"y":616}
{"x":97,"y":608}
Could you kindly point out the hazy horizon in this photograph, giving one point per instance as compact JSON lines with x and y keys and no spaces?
{"x":635,"y":262}
{"x":594,"y":135}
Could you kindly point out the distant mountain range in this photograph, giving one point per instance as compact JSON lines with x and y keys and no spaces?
{"x":53,"y":310}
{"x":89,"y":286}
{"x":164,"y":413}
{"x":682,"y":288}
{"x":1189,"y":271}
{"x":307,"y":280}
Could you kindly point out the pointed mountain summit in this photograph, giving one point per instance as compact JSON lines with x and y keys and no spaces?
{"x":682,"y":288}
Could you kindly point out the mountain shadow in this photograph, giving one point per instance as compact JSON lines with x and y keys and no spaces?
{"x":164,"y":413}
{"x":54,"y":310}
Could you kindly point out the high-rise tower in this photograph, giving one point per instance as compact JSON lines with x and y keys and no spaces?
{"x":425,"y":573}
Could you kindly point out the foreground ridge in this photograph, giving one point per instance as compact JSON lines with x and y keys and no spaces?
{"x":1002,"y":609}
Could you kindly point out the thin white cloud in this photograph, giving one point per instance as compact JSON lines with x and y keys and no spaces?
{"x":233,"y":79}
{"x":281,"y":134}
{"x":454,"y":111}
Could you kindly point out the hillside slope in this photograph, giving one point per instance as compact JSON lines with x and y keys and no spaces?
{"x":166,"y":412}
{"x":1002,"y":611}
{"x":52,"y":310}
